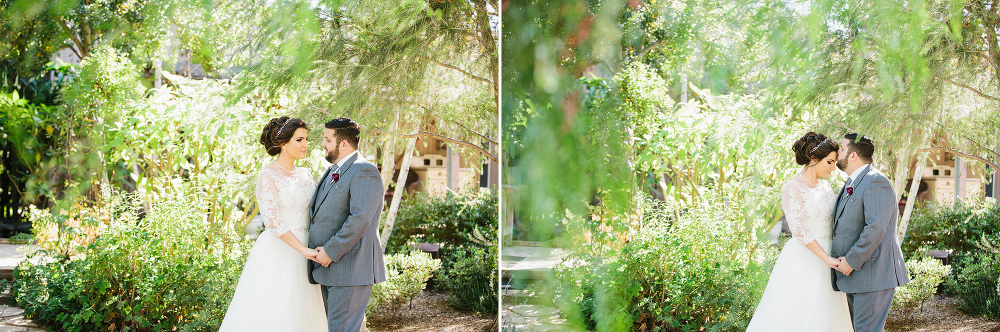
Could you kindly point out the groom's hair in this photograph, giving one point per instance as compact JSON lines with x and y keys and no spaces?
{"x":345,"y":129}
{"x":860,"y":144}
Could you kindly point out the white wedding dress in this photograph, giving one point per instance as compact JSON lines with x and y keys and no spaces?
{"x":799,"y":294}
{"x":274,"y":293}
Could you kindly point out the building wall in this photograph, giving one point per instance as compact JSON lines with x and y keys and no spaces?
{"x":941,"y":176}
{"x":430,"y":164}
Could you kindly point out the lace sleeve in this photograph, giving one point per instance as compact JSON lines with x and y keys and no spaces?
{"x":267,"y":200}
{"x":791,"y":203}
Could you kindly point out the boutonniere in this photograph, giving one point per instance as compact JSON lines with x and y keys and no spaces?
{"x":850,"y":190}
{"x":335,"y":178}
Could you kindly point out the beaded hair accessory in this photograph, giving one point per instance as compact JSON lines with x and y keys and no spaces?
{"x":280,"y":128}
{"x":818,"y":145}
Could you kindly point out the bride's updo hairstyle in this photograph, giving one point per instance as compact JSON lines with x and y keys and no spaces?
{"x":279,"y":131}
{"x":813,"y":146}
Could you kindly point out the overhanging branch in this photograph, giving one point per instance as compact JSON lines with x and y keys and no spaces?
{"x":479,"y":149}
{"x":72,"y":37}
{"x":475,"y":133}
{"x":470,"y":75}
{"x":980,"y":93}
{"x":960,"y":153}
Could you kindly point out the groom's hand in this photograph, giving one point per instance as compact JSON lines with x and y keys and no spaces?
{"x":322,"y":258}
{"x":845,"y":268}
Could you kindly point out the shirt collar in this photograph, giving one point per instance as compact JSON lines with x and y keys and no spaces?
{"x":857,"y":172}
{"x":346,"y":158}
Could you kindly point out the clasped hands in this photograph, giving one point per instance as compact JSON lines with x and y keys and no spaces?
{"x":317,"y":255}
{"x":840,"y":264}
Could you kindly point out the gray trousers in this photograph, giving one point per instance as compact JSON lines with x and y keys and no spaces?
{"x":345,"y":307}
{"x":870,"y":310}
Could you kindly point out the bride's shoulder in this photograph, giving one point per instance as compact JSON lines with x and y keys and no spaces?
{"x":791,"y":183}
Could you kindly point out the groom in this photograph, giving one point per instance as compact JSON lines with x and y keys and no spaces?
{"x":345,"y":214}
{"x":864,"y":237}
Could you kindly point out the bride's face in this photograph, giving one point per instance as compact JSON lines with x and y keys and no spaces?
{"x":825,"y":166}
{"x":296,"y":148}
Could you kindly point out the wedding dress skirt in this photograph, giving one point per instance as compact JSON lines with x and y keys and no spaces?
{"x":274,"y":293}
{"x":799,"y":295}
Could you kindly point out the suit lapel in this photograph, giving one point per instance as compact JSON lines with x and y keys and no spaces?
{"x":341,"y":171}
{"x":836,"y":210}
{"x":312,"y":208}
{"x":857,"y":183}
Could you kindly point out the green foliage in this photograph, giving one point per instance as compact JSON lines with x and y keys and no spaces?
{"x":471,"y":277}
{"x":107,"y":83}
{"x":957,"y":227}
{"x":925,"y":275}
{"x":977,"y":284}
{"x":451,"y":220}
{"x":726,"y":142}
{"x":138,"y":275}
{"x":644,"y":93}
{"x":36,"y":132}
{"x":34,"y":31}
{"x":465,"y":225}
{"x":703,"y":271}
{"x":21,"y":238}
{"x":407,"y":275}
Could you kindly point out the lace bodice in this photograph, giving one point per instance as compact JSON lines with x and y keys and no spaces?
{"x":284,"y":200}
{"x":808,"y":209}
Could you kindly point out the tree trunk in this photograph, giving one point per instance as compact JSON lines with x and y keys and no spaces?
{"x":389,"y":157}
{"x":390,"y":218}
{"x":902,"y":171}
{"x":88,"y":38}
{"x":904,"y":222}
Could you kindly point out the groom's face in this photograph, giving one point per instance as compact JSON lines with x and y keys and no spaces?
{"x":842,"y":155}
{"x":331,"y":145}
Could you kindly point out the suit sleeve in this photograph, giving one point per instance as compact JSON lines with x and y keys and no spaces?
{"x":366,"y":193}
{"x":879,"y":205}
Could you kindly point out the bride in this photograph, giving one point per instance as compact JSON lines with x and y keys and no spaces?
{"x":274,"y":293}
{"x":799,"y":295}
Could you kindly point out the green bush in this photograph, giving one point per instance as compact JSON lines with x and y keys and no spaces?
{"x":156,"y":273}
{"x":925,"y":275}
{"x":450,"y":220}
{"x":703,"y":272}
{"x":465,"y":224}
{"x":407,"y":275}
{"x":956,"y":227}
{"x":978,"y":284}
{"x":471,"y":277}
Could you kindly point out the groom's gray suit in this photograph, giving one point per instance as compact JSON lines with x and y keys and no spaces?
{"x":345,"y":219}
{"x":864,"y":233}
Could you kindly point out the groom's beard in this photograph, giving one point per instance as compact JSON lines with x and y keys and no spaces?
{"x":842,"y":164}
{"x":332,"y":156}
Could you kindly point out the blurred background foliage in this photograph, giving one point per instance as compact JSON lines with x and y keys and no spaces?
{"x":694,"y":104}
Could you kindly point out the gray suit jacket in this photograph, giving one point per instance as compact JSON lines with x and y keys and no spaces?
{"x":345,"y":220}
{"x":864,"y":233}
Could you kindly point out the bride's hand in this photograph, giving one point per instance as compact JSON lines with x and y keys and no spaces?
{"x":833,"y":263}
{"x":310,"y":254}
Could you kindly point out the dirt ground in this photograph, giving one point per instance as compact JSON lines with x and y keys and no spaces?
{"x":430,"y":313}
{"x":941,"y":314}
